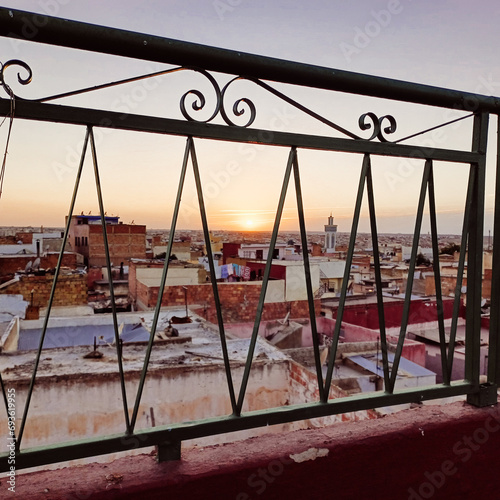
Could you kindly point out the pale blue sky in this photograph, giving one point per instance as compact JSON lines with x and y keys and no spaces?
{"x":448,"y":43}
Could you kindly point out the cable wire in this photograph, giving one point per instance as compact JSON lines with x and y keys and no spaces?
{"x":4,"y":162}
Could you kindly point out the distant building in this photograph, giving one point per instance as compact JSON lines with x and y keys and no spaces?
{"x":126,"y":241}
{"x":330,"y":235}
{"x":332,"y":274}
{"x":181,"y":250}
{"x":33,"y":251}
{"x":259,"y":251}
{"x":31,"y":243}
{"x":216,"y":243}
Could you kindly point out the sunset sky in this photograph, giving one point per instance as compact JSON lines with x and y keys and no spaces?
{"x":451,"y":43}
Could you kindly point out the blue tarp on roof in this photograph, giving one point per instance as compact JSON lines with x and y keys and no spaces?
{"x":80,"y":335}
{"x":368,"y":363}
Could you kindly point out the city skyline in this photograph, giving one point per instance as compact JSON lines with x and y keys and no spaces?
{"x":428,"y":43}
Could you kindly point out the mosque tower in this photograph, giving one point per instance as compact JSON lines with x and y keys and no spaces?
{"x":330,"y":235}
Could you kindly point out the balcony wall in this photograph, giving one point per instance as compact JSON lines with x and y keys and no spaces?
{"x":439,"y":452}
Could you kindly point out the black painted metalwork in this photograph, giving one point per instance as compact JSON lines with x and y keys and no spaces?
{"x":110,"y":280}
{"x":261,"y":70}
{"x":347,"y":273}
{"x":475,"y":255}
{"x":378,"y":276}
{"x":494,"y":335}
{"x":307,"y":273}
{"x":265,"y":280}
{"x":52,"y":292}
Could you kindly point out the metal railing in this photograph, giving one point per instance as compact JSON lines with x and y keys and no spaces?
{"x":260,"y":71}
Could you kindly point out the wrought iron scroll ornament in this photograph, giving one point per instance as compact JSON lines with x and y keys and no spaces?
{"x":239,"y":108}
{"x":20,"y":79}
{"x":377,"y":125}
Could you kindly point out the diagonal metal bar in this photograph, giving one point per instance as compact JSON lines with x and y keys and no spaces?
{"x":460,"y":273}
{"x":433,"y":128}
{"x":147,"y":357}
{"x":106,"y":85}
{"x":52,"y":291}
{"x":267,"y":272}
{"x":378,"y":275}
{"x":437,"y":274}
{"x":307,"y":271}
{"x":411,"y":274}
{"x":347,"y":273}
{"x":110,"y":281}
{"x":304,"y":109}
{"x":215,"y":289}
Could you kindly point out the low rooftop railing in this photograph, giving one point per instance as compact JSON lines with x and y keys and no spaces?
{"x":372,"y":139}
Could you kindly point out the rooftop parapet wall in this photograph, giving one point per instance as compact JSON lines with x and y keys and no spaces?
{"x":10,"y":264}
{"x":71,"y":289}
{"x":239,"y":301}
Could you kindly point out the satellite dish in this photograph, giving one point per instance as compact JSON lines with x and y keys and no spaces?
{"x":29,"y":267}
{"x":483,"y":302}
{"x":36,"y":264}
{"x":464,"y":289}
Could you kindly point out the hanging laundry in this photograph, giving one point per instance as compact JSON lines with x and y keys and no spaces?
{"x":246,"y":273}
{"x":218,"y":272}
{"x":229,"y":269}
{"x":204,"y":262}
{"x":224,"y":272}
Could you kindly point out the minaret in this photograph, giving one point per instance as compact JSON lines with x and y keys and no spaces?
{"x":330,"y":235}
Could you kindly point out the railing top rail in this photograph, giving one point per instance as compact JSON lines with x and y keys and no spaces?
{"x":73,"y":34}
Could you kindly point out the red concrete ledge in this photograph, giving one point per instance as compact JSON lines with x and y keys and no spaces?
{"x":450,"y":451}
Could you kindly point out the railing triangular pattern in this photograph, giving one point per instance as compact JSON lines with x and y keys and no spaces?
{"x":189,"y":152}
{"x":307,"y":271}
{"x":460,"y":274}
{"x":446,"y":358}
{"x":265,"y":281}
{"x":365,"y":178}
{"x":292,"y":164}
{"x":347,"y":271}
{"x":390,"y":375}
{"x":89,"y":137}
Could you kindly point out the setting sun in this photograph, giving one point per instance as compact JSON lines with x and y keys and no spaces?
{"x":249,"y":223}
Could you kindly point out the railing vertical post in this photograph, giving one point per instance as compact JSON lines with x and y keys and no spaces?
{"x":494,"y":341}
{"x":483,"y":395}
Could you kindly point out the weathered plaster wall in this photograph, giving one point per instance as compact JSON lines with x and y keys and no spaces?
{"x":66,"y":408}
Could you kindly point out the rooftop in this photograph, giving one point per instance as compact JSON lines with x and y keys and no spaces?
{"x":198,"y":344}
